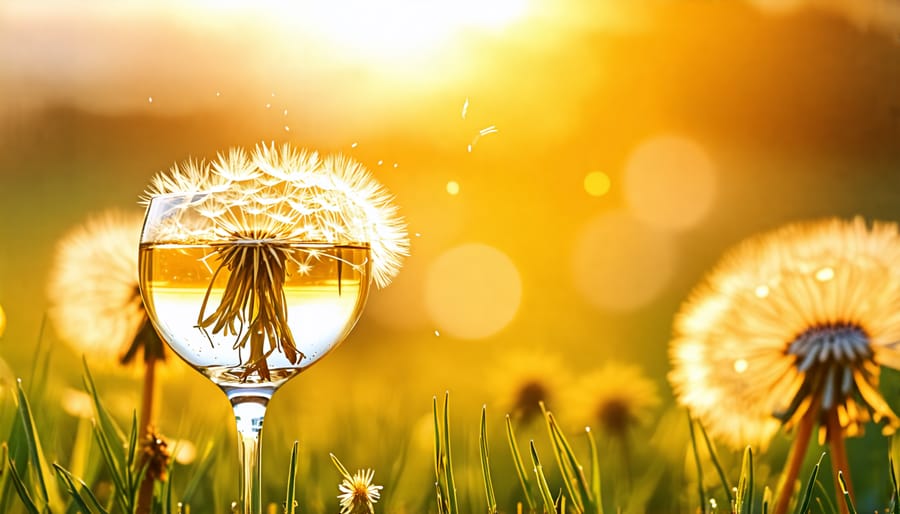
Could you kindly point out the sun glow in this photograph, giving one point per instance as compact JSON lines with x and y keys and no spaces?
{"x":395,"y":28}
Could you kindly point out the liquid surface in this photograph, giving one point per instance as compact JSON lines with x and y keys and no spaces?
{"x":325,"y":288}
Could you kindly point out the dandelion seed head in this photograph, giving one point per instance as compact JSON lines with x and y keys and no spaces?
{"x":285,"y":193}
{"x":792,"y":323}
{"x":358,"y":493}
{"x":95,"y":303}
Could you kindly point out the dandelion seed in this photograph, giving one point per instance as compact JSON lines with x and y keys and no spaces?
{"x":482,"y":133}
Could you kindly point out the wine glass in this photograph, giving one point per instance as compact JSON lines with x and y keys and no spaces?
{"x":251,"y":274}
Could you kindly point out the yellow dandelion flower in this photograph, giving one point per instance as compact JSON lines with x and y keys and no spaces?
{"x":95,"y":301}
{"x":616,"y":399}
{"x":522,"y":380}
{"x":791,"y":328}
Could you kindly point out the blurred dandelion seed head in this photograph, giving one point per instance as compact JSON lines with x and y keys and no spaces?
{"x":616,"y":398}
{"x":790,"y":321}
{"x":358,"y":494}
{"x":284,"y":193}
{"x":95,"y":302}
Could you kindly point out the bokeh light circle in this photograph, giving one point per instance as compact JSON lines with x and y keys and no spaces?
{"x":669,"y":182}
{"x":620,"y":264}
{"x":472,"y":291}
{"x":597,"y":183}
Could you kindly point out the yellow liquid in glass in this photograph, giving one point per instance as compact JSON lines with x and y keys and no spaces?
{"x":325,"y":289}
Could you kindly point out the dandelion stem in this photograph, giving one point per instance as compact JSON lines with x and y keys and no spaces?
{"x":145,"y":495}
{"x":839,"y":460}
{"x":795,"y":459}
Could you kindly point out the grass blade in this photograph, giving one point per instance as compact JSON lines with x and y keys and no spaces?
{"x":571,"y":469}
{"x":21,"y":489}
{"x":828,"y":507}
{"x":201,"y":474}
{"x":448,"y":467}
{"x":744,"y":498}
{"x":700,"y":492}
{"x":290,"y":504}
{"x":47,"y":487}
{"x":520,"y":465}
{"x":439,"y":475}
{"x":84,"y":498}
{"x":486,"y":464}
{"x":807,"y":495}
{"x":596,"y":490}
{"x":847,"y":500}
{"x":543,"y":487}
{"x":714,"y":457}
{"x":105,"y":421}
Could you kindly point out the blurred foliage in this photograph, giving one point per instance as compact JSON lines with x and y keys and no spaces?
{"x":472,"y":469}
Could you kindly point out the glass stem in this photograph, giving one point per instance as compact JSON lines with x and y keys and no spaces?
{"x":249,"y":412}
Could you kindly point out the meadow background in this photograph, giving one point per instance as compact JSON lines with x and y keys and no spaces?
{"x":572,"y":232}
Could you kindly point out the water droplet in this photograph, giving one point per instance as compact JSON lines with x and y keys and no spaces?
{"x":287,"y":129}
{"x":453,"y":187}
{"x":740,"y":365}
{"x":380,"y":163}
{"x":285,"y":112}
{"x":418,"y":234}
{"x":354,"y":145}
{"x":150,"y":99}
{"x":268,"y":106}
{"x":396,"y":165}
{"x":218,"y":93}
{"x":437,"y":333}
{"x":762,"y":291}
